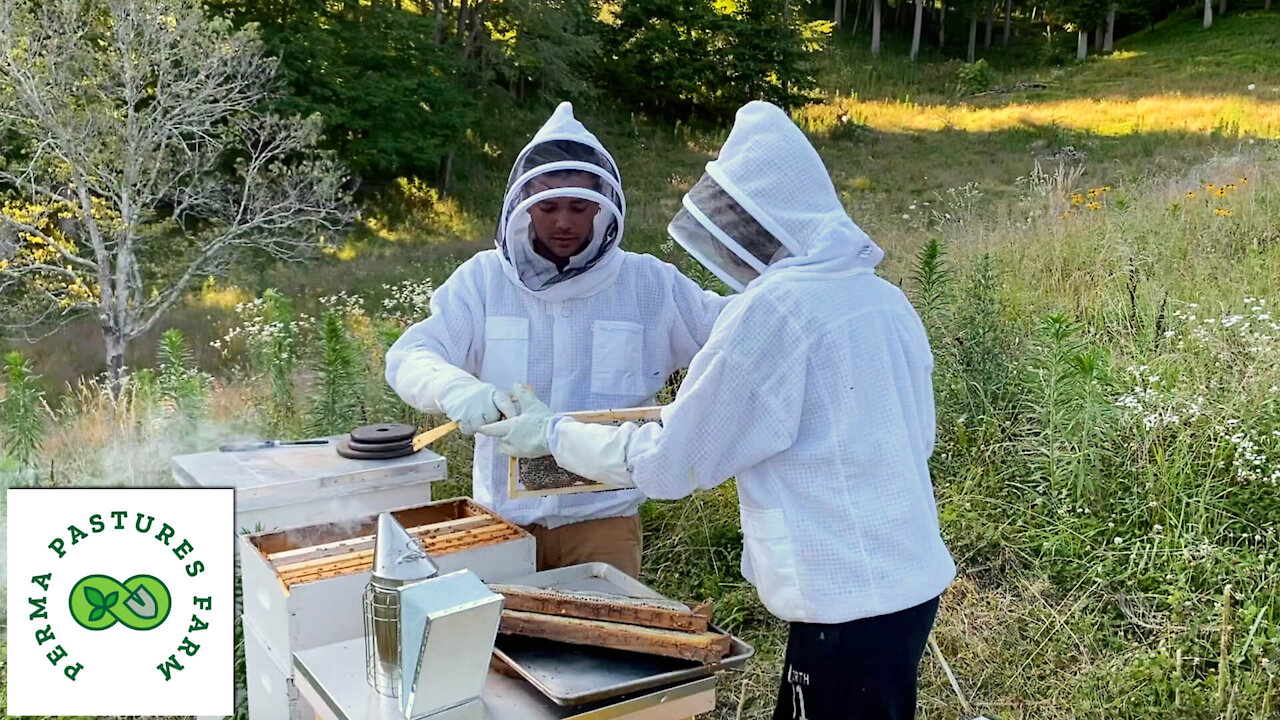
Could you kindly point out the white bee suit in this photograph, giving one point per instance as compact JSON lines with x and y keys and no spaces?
{"x":604,"y":332}
{"x":814,"y":390}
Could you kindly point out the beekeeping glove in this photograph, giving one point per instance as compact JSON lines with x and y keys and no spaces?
{"x":472,"y":403}
{"x":594,"y":451}
{"x":523,"y":436}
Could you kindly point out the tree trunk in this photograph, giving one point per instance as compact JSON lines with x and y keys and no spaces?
{"x":838,"y":15}
{"x":1097,"y":39}
{"x":115,"y":347}
{"x":1108,"y":42}
{"x":1208,"y":13}
{"x":1008,"y":21}
{"x":973,"y":34}
{"x":857,"y":19}
{"x":462,"y":19}
{"x":1222,"y":7}
{"x":942,"y":26}
{"x":915,"y":34}
{"x":439,"y":22}
{"x":446,"y":171}
{"x":875,"y":27}
{"x":897,"y":15}
{"x":991,"y":25}
{"x":1082,"y":47}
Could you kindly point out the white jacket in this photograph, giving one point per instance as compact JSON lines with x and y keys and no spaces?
{"x":815,"y":391}
{"x":607,"y":337}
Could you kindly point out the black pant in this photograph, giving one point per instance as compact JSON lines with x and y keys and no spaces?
{"x":859,"y":670}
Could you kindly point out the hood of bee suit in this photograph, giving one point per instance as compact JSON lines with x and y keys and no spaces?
{"x":767,"y":206}
{"x":563,"y":146}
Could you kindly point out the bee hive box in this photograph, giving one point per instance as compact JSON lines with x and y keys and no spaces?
{"x":302,"y":586}
{"x":539,"y":477}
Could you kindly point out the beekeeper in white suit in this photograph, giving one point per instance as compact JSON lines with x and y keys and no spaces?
{"x":559,"y":305}
{"x":815,"y":391}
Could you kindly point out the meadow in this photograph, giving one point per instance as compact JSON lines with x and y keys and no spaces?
{"x":1095,"y":251}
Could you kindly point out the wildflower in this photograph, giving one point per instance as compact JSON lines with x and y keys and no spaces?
{"x":1092,"y":193}
{"x":1244,"y":181}
{"x":1119,"y":540}
{"x":906,"y":216}
{"x":1210,"y":187}
{"x":1191,"y":195}
{"x":1223,"y":212}
{"x":1222,"y":192}
{"x":1252,"y":87}
{"x":1156,"y":529}
{"x":1231,"y":187}
{"x":1077,"y":199}
{"x":1094,"y":206}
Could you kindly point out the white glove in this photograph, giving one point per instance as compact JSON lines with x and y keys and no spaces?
{"x":594,"y":451}
{"x":473,"y":403}
{"x":523,"y":436}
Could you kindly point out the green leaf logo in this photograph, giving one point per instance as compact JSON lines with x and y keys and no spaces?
{"x":95,"y":602}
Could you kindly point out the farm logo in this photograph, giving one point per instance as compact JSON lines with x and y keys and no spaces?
{"x":120,"y":601}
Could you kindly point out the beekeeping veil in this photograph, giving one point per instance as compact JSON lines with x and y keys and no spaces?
{"x":562,"y":147}
{"x":767,"y":204}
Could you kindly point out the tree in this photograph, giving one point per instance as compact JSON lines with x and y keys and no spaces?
{"x":1108,"y":42}
{"x":991,"y":24}
{"x":875,"y":28}
{"x":973,"y":32}
{"x":142,"y":163}
{"x":1008,"y":21}
{"x":915,"y":35}
{"x":1208,"y":13}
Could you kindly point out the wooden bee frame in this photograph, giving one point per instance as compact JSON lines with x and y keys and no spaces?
{"x":516,"y":489}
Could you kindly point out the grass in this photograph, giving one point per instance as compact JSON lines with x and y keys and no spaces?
{"x":1105,"y":454}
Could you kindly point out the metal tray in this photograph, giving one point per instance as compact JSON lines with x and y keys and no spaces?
{"x":576,"y":674}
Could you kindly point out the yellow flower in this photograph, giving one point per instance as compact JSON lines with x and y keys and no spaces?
{"x":1094,"y":206}
{"x":1231,"y":187}
{"x":1093,"y":194}
{"x":1209,"y":187}
{"x":1077,"y":199}
{"x":1106,"y":188}
{"x":1222,"y":192}
{"x":1222,"y":212}
{"x":1191,"y":195}
{"x":1244,"y":181}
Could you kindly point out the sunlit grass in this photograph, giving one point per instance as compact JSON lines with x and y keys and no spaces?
{"x":1230,"y":116}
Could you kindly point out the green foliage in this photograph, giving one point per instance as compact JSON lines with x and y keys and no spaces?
{"x":974,"y":77}
{"x":932,"y":281}
{"x":337,"y":402}
{"x":21,"y":423}
{"x":393,"y":101}
{"x":687,"y":57}
{"x":548,"y":49}
{"x":182,"y":387}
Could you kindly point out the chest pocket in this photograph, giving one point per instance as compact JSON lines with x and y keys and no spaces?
{"x":617,"y":358}
{"x":506,"y":351}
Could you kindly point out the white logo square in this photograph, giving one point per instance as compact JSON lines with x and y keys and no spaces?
{"x":120,"y":601}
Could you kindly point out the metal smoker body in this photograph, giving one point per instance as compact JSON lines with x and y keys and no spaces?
{"x":428,"y":637}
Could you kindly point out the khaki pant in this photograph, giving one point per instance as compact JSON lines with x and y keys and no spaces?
{"x":616,"y":541}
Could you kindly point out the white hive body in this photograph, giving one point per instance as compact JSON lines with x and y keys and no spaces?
{"x":398,"y":559}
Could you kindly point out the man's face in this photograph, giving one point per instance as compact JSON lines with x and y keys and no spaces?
{"x":563,"y":224}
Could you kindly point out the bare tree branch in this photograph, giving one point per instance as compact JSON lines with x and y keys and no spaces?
{"x":127,"y":114}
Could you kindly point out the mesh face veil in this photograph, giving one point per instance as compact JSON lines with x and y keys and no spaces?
{"x":560,"y":169}
{"x":724,"y":235}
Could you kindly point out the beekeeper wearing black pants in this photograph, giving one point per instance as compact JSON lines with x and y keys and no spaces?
{"x":815,"y":391}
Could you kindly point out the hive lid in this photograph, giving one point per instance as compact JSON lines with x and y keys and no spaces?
{"x":398,"y":557}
